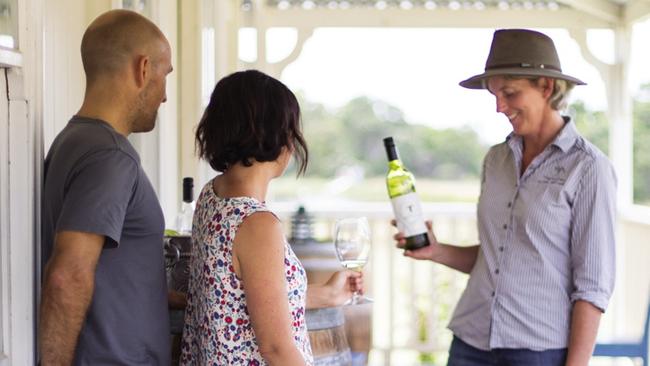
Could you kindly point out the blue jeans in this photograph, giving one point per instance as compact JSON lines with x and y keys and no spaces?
{"x":462,"y":354}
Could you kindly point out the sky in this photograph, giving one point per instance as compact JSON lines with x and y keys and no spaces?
{"x":418,"y":70}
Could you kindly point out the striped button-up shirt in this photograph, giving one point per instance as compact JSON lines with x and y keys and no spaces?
{"x":546,"y":240}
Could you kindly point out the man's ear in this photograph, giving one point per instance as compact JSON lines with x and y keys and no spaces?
{"x":142,"y":70}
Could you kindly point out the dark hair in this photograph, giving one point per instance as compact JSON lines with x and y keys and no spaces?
{"x":251,"y":116}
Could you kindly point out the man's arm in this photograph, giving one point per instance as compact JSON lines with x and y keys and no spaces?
{"x":68,"y":285}
{"x":585,"y":319}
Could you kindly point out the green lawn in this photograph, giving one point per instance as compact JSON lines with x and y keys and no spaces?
{"x":289,"y":188}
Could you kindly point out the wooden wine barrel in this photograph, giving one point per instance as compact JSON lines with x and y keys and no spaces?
{"x":177,"y":251}
{"x":320,"y":262}
{"x":327,"y":337}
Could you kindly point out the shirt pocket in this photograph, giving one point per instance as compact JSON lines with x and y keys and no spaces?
{"x":546,"y":201}
{"x":554,"y":207}
{"x":555,"y":196}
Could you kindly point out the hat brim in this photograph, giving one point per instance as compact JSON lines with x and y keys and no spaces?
{"x":478,"y":81}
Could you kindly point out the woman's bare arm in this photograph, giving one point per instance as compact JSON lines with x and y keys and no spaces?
{"x":259,"y":254}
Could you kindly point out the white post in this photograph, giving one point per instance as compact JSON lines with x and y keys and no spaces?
{"x":168,"y":125}
{"x":620,"y":147}
{"x":259,"y":24}
{"x":189,"y":67}
{"x":620,"y":116}
{"x":227,"y":23}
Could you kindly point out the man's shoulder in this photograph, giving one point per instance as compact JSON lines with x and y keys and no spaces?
{"x":96,"y":132}
{"x":85,"y":136}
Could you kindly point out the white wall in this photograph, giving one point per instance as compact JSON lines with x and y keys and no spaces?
{"x":167,"y":140}
{"x":21,"y":146}
{"x":63,"y":79}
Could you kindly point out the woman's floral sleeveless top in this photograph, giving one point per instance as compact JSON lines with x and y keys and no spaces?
{"x":217,"y":327}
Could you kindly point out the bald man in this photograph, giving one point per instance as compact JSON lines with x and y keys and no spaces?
{"x":104,"y":294}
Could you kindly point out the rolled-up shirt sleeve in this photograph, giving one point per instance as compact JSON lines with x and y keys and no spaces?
{"x":593,"y":255}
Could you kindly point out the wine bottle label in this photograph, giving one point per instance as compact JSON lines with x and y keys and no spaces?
{"x":408,"y":214}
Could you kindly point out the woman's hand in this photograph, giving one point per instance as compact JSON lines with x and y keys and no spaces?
{"x":343,"y":284}
{"x":336,"y":291}
{"x":460,"y":258}
{"x":429,"y":252}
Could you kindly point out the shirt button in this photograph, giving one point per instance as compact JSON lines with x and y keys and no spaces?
{"x":496,"y":271}
{"x":501,"y":249}
{"x":505,"y":226}
{"x":509,"y":204}
{"x":492,"y":293}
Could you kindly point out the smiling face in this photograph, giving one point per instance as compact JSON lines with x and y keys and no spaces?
{"x":523,"y":101}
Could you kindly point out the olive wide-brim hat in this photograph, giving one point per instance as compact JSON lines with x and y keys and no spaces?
{"x":520,"y":52}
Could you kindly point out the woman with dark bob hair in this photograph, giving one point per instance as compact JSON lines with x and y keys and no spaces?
{"x":247,"y":290}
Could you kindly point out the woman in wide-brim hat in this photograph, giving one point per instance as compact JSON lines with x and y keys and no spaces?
{"x":544,"y":270}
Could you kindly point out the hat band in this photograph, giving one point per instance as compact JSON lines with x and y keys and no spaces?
{"x":524,"y":66}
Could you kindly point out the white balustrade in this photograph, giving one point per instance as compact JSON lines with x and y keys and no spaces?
{"x":414,"y":300}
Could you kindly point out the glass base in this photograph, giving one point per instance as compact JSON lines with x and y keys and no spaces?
{"x":358,"y":300}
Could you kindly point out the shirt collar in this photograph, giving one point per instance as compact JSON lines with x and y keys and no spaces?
{"x":567,"y":137}
{"x":564,"y":140}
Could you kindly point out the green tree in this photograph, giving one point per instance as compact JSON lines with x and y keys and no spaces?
{"x":321,"y":130}
{"x":593,"y":125}
{"x":353,"y":134}
{"x":641,"y":147}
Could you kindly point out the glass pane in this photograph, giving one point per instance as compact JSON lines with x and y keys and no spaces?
{"x":247,"y":44}
{"x":9,"y":23}
{"x":640,"y":77}
{"x":208,"y":77}
{"x":141,"y":6}
{"x":280,"y":42}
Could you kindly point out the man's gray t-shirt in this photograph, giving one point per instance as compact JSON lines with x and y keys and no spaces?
{"x":94,"y":183}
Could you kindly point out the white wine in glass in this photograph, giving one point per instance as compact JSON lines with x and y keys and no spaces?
{"x":352,"y":243}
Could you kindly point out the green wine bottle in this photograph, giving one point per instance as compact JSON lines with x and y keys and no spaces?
{"x":406,"y":204}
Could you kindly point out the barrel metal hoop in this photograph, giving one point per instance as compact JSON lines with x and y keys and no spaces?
{"x":324,"y":318}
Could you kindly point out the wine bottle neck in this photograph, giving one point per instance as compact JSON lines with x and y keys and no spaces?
{"x":188,"y":189}
{"x":395,"y":164}
{"x":391,"y":152}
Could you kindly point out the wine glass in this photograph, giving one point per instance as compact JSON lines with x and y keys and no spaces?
{"x":352,"y":243}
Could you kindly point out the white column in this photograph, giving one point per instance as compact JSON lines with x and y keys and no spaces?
{"x":620,"y":152}
{"x":189,"y":66}
{"x":167,"y":141}
{"x":620,"y":117}
{"x":619,"y":111}
{"x":261,"y":18}
{"x":224,"y":20}
{"x":226,"y":24}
